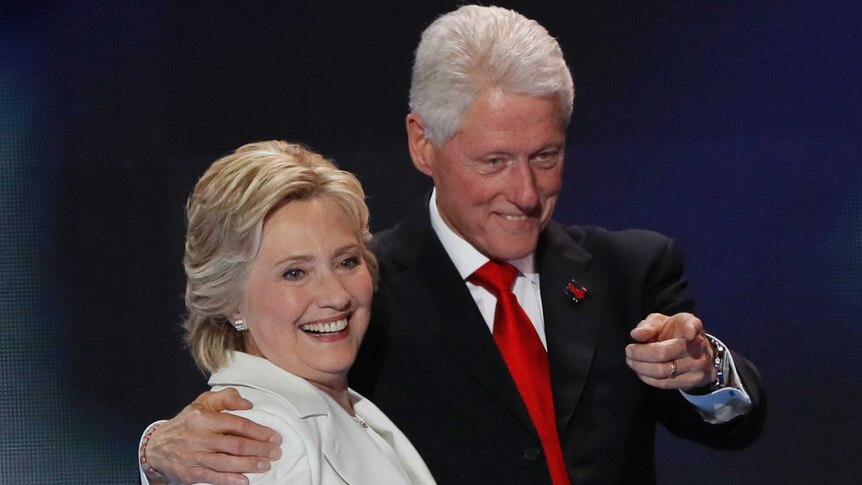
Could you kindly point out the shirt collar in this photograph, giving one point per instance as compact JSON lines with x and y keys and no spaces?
{"x":468,"y":259}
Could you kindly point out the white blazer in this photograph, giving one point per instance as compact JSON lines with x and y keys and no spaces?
{"x":321,"y":443}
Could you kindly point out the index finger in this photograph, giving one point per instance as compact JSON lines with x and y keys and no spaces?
{"x":225,"y":399}
{"x":684,"y":325}
{"x":649,"y":328}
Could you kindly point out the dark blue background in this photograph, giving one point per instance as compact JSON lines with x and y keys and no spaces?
{"x":733,"y":127}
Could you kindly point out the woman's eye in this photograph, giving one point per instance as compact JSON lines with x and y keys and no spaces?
{"x":350,"y":262}
{"x":293,"y":274}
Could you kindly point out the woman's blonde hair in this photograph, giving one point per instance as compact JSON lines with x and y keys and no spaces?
{"x":225,"y":215}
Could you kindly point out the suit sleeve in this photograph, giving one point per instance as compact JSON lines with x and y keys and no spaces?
{"x":665,"y":292}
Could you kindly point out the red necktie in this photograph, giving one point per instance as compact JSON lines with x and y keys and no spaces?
{"x":526,"y":359}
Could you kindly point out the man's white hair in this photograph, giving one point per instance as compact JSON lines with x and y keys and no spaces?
{"x":475,"y":49}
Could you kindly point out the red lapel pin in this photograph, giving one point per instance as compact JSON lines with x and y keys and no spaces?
{"x":575,"y":290}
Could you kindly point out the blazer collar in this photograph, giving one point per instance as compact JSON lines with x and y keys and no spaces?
{"x":258,"y":373}
{"x":337,"y":431}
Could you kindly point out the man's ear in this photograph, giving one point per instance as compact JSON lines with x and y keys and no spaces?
{"x":419,"y":146}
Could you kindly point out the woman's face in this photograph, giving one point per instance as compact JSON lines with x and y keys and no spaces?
{"x":308,"y":292}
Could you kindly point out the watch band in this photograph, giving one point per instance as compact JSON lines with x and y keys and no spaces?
{"x":719,"y":361}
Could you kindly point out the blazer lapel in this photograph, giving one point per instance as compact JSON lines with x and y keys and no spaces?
{"x":571,"y":328}
{"x":345,"y":446}
{"x":347,"y":463}
{"x":430,"y":286}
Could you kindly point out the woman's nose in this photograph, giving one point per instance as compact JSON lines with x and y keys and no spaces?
{"x":332,"y":293}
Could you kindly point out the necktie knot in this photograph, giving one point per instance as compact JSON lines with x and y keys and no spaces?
{"x":494,"y":276}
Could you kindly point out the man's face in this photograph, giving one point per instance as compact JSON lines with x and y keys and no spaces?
{"x":499,"y":175}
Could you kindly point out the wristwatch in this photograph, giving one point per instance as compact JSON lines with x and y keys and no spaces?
{"x":720,"y":363}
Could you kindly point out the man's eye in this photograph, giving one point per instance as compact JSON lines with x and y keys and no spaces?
{"x":350,"y":262}
{"x":491,"y":165}
{"x":546,"y":160}
{"x":293,"y":274}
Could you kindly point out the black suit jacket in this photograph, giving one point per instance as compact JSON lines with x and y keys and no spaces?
{"x":430,"y":363}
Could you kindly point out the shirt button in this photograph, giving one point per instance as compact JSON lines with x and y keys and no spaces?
{"x":532,"y":454}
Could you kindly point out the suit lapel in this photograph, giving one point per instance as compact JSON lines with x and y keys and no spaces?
{"x":429,"y":285}
{"x":571,"y":328}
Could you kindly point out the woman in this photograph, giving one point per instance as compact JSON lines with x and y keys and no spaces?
{"x":280,"y":279}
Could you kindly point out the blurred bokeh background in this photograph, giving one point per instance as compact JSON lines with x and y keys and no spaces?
{"x":734,"y":127}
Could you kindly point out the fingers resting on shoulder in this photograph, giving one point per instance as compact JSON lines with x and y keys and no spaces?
{"x":204,"y":444}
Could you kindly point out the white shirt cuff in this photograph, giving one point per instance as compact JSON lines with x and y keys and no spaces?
{"x":151,"y":427}
{"x":722,"y":405}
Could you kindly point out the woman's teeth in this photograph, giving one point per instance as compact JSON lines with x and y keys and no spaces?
{"x":330,"y":327}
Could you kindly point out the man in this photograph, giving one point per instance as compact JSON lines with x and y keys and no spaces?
{"x":490,"y":98}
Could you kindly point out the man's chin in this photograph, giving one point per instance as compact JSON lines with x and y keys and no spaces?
{"x":507,"y":248}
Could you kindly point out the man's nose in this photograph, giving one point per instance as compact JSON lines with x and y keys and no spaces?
{"x":522,"y":189}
